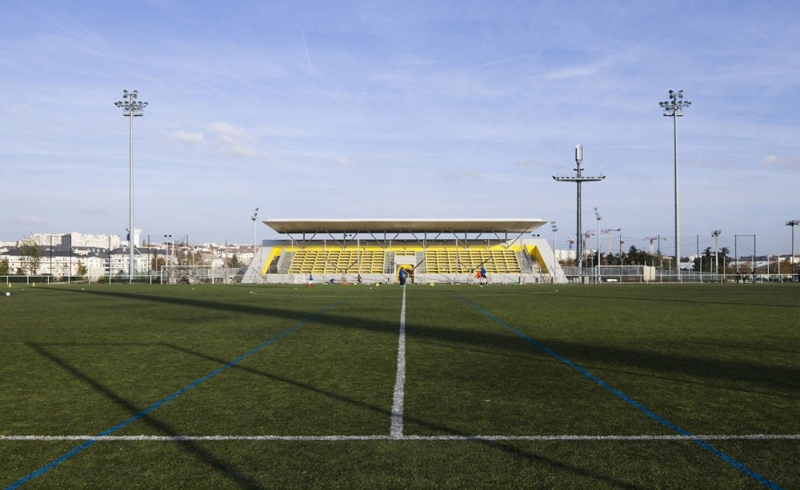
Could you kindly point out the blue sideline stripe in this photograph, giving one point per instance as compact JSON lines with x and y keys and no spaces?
{"x":708,"y":447}
{"x":91,"y":442}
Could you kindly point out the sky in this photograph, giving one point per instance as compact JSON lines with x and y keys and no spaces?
{"x":413,"y":109}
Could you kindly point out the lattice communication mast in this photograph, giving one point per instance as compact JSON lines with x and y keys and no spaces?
{"x":579,"y":179}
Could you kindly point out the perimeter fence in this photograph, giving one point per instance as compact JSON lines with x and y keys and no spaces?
{"x":651,"y":274}
{"x":170,"y":275}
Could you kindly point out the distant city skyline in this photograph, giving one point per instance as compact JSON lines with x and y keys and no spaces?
{"x":566,"y":250}
{"x":415,"y":110}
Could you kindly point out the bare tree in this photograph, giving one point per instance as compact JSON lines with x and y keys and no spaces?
{"x":31,"y":256}
{"x":81,"y":269}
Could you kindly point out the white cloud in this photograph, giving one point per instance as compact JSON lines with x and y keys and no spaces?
{"x":573,"y":72}
{"x":780,"y":161}
{"x":233,"y":140}
{"x":30,"y":220}
{"x":222,"y":137}
{"x":190,"y":139}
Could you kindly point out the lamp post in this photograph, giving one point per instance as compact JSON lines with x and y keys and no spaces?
{"x":554,"y":227}
{"x":792,"y":223}
{"x":131,"y":108}
{"x":166,"y":263}
{"x":255,"y":215}
{"x":716,"y":234}
{"x":598,"y":218}
{"x":674,"y":108}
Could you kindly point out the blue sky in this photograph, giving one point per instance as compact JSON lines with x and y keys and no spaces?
{"x":381,"y":109}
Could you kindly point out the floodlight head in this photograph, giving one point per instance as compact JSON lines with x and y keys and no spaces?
{"x":129,"y":105}
{"x":674,"y":106}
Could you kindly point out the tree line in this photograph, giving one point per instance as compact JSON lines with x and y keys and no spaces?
{"x":708,"y":261}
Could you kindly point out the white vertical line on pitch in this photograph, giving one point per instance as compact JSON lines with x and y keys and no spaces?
{"x":396,"y":430}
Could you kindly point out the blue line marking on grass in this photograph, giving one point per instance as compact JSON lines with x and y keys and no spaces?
{"x":703,"y":444}
{"x":90,"y":443}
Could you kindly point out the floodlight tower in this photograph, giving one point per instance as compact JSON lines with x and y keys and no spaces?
{"x":578,"y":179}
{"x":554,"y":227}
{"x":792,"y":223}
{"x":674,"y":108}
{"x":131,"y":108}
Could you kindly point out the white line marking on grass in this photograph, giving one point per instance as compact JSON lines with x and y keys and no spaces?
{"x":276,"y":295}
{"x":649,"y":413}
{"x":396,"y":430}
{"x":643,"y":437}
{"x":76,"y":450}
{"x":504,"y":293}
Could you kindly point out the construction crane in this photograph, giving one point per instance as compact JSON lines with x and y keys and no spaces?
{"x":653,"y":239}
{"x":608,"y":232}
{"x":586,"y":236}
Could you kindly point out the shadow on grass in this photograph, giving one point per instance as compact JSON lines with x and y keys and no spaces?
{"x":595,"y":368}
{"x":731,"y":301}
{"x":734,"y":371}
{"x":386,"y":411}
{"x":242,"y":480}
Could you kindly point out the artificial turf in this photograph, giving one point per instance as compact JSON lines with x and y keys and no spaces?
{"x":315,"y":369}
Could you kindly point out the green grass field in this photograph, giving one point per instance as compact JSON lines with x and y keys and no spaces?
{"x":570,"y":386}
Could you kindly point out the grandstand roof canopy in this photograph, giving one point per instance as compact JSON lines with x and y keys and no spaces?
{"x":288,"y":226}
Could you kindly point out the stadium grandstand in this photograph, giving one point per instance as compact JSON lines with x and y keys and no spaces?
{"x":430,"y":251}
